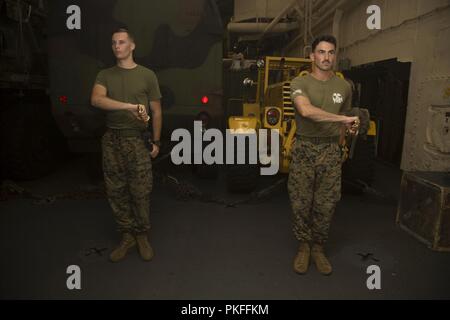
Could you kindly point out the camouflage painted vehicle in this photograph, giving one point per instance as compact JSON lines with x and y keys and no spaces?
{"x":30,"y":143}
{"x":180,"y":40}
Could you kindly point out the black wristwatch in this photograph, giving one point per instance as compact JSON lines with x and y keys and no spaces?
{"x":158,"y":143}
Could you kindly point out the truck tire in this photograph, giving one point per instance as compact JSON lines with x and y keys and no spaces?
{"x":362,"y":167}
{"x":31,"y":144}
{"x":242,"y":178}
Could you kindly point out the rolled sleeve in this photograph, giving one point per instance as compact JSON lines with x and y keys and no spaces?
{"x":101,"y":79}
{"x":154,"y":93}
{"x":297,"y":89}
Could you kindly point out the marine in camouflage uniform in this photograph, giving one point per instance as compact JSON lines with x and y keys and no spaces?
{"x":127,"y":91}
{"x":314,"y":183}
{"x":127,"y":170}
{"x":314,"y":188}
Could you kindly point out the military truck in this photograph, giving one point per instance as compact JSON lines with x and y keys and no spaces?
{"x":269,"y":106}
{"x":180,"y":40}
{"x":30,"y":143}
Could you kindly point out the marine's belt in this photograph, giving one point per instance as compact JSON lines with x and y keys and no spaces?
{"x":319,"y":140}
{"x":127,"y":133}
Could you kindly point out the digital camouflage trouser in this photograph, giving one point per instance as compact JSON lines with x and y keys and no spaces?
{"x":314,"y":188}
{"x":127,"y":170}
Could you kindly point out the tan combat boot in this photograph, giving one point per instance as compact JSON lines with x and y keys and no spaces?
{"x":145,"y":250}
{"x":121,"y":251}
{"x":301,"y":261}
{"x":321,"y":261}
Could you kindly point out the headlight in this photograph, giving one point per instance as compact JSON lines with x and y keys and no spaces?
{"x":273,"y":116}
{"x":247,"y":82}
{"x":260,"y":63}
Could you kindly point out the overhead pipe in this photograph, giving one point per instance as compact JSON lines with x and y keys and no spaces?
{"x":327,"y":8}
{"x":265,"y":28}
{"x":307,"y":25}
{"x":323,"y":18}
{"x":305,"y":21}
{"x":320,"y":3}
{"x":249,"y":27}
{"x":299,"y":12}
{"x":336,"y":25}
{"x":272,"y":24}
{"x":341,"y":4}
{"x":310,"y":19}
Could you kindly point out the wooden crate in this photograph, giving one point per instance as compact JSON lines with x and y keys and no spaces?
{"x":424,"y":208}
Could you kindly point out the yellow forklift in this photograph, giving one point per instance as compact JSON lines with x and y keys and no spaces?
{"x":270,"y":107}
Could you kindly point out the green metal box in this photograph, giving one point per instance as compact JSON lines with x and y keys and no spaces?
{"x":424,"y":208}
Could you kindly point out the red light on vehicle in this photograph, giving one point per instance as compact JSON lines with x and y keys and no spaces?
{"x":63,"y":99}
{"x":205,"y":99}
{"x":273,"y":116}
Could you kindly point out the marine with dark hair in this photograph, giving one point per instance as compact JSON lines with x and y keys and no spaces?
{"x":320,"y":98}
{"x":128,"y":92}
